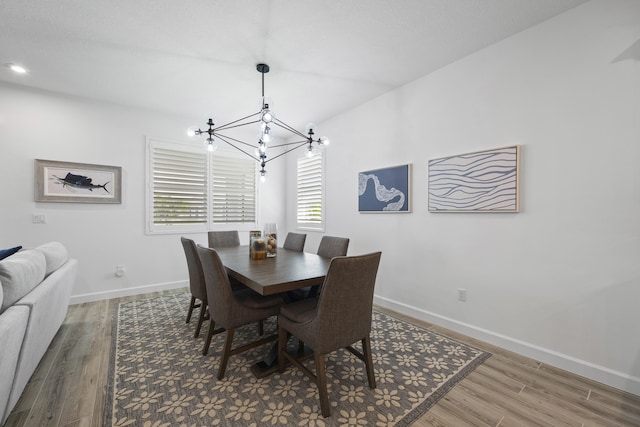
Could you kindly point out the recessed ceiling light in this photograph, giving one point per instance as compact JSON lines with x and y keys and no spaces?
{"x":18,"y":69}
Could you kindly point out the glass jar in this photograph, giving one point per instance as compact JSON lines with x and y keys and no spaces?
{"x":253,"y":234}
{"x":271,"y":237}
{"x":257,"y":247}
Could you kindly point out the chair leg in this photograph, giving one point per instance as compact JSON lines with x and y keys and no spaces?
{"x":368,"y":360}
{"x":211,"y":333}
{"x":260,"y":327}
{"x":207,"y":342}
{"x":226,"y":353}
{"x":191,"y":305}
{"x":321,"y":381}
{"x":203,"y":309}
{"x":283,"y":337}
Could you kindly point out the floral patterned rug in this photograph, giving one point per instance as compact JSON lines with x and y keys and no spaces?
{"x":158,"y":376}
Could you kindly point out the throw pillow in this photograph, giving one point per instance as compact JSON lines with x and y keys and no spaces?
{"x":8,"y":252}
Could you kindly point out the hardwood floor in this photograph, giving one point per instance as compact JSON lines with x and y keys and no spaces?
{"x":69,"y":386}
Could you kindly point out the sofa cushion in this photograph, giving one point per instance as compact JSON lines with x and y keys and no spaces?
{"x":55,"y":254}
{"x":8,"y":252}
{"x":19,"y":274}
{"x":1,"y":297}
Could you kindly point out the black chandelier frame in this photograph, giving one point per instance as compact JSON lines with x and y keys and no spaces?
{"x":267,"y":118}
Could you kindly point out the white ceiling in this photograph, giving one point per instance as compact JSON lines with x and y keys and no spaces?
{"x":195,"y":57}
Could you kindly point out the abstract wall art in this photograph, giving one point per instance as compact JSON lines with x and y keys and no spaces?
{"x":385,"y":190}
{"x":484,"y":181}
{"x":77,"y":182}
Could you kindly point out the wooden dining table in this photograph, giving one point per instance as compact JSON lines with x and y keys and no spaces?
{"x":287,"y":271}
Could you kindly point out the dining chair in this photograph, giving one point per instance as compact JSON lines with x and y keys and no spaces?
{"x":227,"y":239}
{"x":196,"y":282}
{"x":329,"y":247}
{"x":223,"y":239}
{"x":340,"y":317}
{"x":230,"y":310}
{"x":295,"y":241}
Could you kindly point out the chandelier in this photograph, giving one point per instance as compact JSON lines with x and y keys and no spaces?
{"x":266,"y":121}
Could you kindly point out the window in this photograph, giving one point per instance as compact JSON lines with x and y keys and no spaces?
{"x":191,"y":189}
{"x":234,"y":190}
{"x":310,"y":192}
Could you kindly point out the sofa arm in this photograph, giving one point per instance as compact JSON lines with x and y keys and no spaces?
{"x":48,"y":303}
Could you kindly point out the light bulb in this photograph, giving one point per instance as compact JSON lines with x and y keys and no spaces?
{"x":263,"y":176}
{"x":266,"y":136}
{"x":324,"y":141}
{"x":310,"y":151}
{"x":267,"y":116}
{"x":211,"y":145}
{"x":310,"y":128}
{"x":18,"y":69}
{"x":193,"y":131}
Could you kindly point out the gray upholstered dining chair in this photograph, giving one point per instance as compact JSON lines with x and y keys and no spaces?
{"x":228,"y":310}
{"x":223,"y":239}
{"x":227,"y":239}
{"x":196,"y":282}
{"x":295,"y":241}
{"x":329,"y":247}
{"x":340,"y":317}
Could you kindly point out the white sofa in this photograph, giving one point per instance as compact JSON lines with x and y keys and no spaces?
{"x":34,"y":296}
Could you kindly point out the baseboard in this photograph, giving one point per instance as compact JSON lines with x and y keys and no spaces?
{"x":572,"y":364}
{"x":126,"y":292}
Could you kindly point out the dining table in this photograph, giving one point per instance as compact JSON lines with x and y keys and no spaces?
{"x":287,"y":271}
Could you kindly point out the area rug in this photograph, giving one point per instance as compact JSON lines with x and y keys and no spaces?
{"x":158,"y":376}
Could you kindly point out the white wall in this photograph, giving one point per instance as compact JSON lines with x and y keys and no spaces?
{"x":559,"y":281}
{"x":39,"y":125}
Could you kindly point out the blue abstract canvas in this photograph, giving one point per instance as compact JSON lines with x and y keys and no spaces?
{"x":485,"y":181}
{"x":384,"y":190}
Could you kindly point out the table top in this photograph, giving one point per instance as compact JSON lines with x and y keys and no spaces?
{"x":287,"y":271}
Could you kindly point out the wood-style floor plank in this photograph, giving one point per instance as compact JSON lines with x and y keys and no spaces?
{"x":69,"y":387}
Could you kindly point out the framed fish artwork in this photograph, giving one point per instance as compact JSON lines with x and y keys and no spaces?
{"x":68,"y":182}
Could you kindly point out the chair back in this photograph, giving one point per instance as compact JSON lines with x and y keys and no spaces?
{"x":196,"y":275}
{"x":224,"y":239}
{"x":295,"y":241}
{"x":219,"y":293}
{"x":345,"y":305}
{"x":333,"y":246}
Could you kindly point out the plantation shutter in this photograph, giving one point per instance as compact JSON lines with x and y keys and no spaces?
{"x":179,"y":185}
{"x":233,"y":189}
{"x":310,"y":179}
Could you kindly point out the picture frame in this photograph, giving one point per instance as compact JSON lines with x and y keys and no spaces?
{"x":67,"y":182}
{"x":481,"y":181}
{"x":386,"y":190}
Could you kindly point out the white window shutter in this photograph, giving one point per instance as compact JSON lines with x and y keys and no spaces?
{"x":179,"y":186}
{"x":310,"y":192}
{"x":233,"y":186}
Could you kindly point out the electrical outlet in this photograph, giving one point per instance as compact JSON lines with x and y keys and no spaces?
{"x":120,"y":270}
{"x":462,"y":294}
{"x":39,"y":218}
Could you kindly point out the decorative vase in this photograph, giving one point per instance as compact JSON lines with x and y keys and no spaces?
{"x":271,"y":237}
